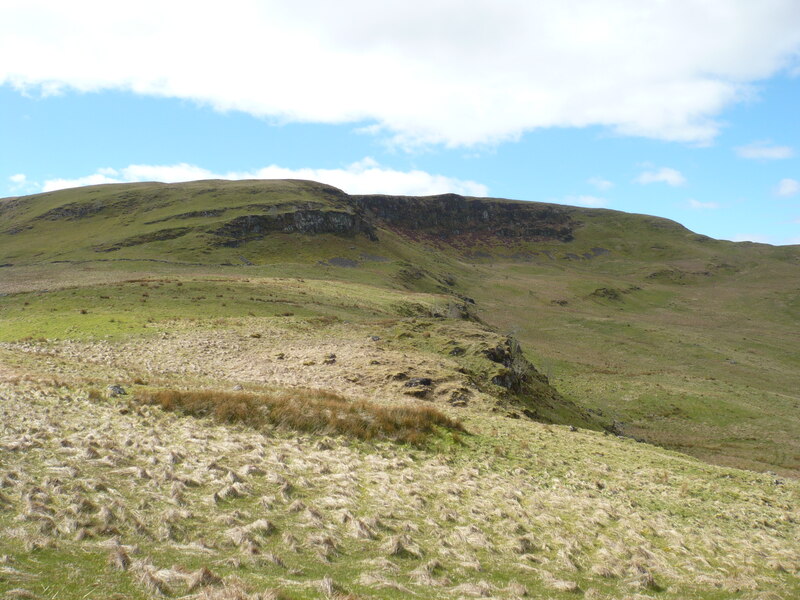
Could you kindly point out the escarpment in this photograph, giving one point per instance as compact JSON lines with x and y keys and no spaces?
{"x":450,"y":216}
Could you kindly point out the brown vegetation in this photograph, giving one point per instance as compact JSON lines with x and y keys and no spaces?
{"x":312,"y":411}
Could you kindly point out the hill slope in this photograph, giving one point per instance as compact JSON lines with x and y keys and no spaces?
{"x":675,"y":338}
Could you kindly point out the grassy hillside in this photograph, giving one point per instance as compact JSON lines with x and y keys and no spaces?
{"x":678,"y":339}
{"x":372,"y":397}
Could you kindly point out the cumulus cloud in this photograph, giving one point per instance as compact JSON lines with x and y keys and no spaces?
{"x":764,"y":150}
{"x":697,"y":205}
{"x":666,"y":175}
{"x":788,"y":187}
{"x":600,"y":183}
{"x":19,"y":183}
{"x":363,"y":177}
{"x":420,"y":72}
{"x":589,"y":201}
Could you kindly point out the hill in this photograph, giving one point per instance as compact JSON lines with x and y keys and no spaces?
{"x":674,"y":338}
{"x":272,"y":389}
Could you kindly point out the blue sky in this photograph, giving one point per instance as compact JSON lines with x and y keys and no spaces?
{"x":686,"y":109}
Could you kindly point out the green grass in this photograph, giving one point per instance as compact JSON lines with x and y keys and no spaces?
{"x":138,"y":307}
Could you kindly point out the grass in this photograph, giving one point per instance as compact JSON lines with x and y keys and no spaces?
{"x":308,"y":411}
{"x":140,"y":307}
{"x":305,"y":514}
{"x":709,"y":367}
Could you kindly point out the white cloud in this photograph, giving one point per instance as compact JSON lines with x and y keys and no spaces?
{"x":764,"y":150}
{"x":600,"y":183}
{"x":589,"y":201}
{"x":663,"y":175}
{"x":788,"y":187}
{"x":362,"y":177}
{"x":20,"y":184}
{"x":697,"y":205}
{"x":420,"y":72}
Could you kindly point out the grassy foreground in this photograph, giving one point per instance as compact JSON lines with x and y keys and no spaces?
{"x":136,"y":502}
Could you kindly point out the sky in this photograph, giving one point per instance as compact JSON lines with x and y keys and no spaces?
{"x":685,"y":109}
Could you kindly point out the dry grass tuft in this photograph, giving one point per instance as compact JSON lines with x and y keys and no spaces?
{"x":333,"y":591}
{"x":147,"y":576}
{"x":201,"y":578}
{"x":482,"y":589}
{"x":560,"y":585}
{"x":516,"y":589}
{"x":312,"y":411}
{"x":361,"y":530}
{"x":403,"y":547}
{"x":119,"y":559}
{"x":235,"y":590}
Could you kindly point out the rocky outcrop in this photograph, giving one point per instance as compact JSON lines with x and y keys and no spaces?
{"x":450,"y":216}
{"x":253,"y":227}
{"x":516,"y":372}
{"x":525,"y":388}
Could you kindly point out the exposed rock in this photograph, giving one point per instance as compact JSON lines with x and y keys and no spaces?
{"x":116,"y":390}
{"x":526,"y":389}
{"x":253,"y":227}
{"x":418,"y":382}
{"x":419,"y":387}
{"x":450,"y":217}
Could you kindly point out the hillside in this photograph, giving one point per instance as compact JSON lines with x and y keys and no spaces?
{"x":681,"y":340}
{"x":334,"y":396}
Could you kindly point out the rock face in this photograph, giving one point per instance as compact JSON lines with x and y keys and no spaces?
{"x":448,"y":217}
{"x":451,"y":216}
{"x":252,"y":227}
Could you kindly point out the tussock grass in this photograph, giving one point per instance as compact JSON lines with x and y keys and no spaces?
{"x":309,"y":411}
{"x":383,"y":521}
